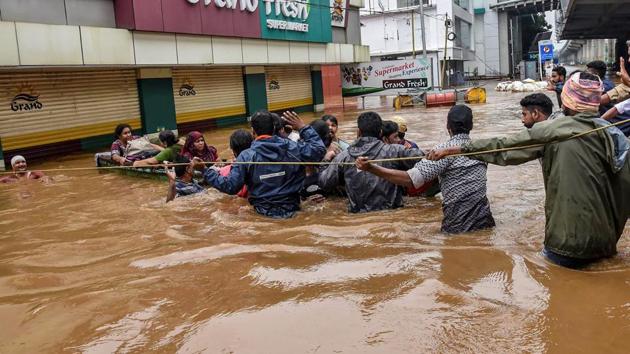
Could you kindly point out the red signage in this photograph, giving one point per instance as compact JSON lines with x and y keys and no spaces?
{"x":218,"y":17}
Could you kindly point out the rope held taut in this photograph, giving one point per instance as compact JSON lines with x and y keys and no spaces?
{"x":334,"y":162}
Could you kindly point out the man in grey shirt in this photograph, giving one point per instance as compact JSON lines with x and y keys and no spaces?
{"x":462,"y":180}
{"x":367,"y":192}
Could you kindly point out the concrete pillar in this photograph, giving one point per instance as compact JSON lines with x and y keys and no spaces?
{"x":317,"y":88}
{"x":255,"y":89}
{"x":157,"y":105}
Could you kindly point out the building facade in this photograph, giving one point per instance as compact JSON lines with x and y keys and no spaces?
{"x":71,"y":70}
{"x":479,"y":46}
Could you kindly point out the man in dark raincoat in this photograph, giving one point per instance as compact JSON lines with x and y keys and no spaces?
{"x":587,"y":179}
{"x":274,"y":189}
{"x":367,"y":192}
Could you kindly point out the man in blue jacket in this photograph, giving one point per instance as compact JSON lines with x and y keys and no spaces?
{"x":274,"y":189}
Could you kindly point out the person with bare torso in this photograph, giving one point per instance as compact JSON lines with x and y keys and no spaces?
{"x":21,"y":173}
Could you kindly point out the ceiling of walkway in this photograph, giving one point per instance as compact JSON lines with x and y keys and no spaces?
{"x":591,"y":19}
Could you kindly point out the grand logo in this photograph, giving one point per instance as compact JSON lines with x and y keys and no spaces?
{"x":26,"y":100}
{"x":274,"y":84}
{"x":246,"y":5}
{"x":296,"y":9}
{"x":187,"y":89}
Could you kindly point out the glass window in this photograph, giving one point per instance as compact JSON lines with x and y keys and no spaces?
{"x":461,"y":3}
{"x":409,"y":3}
{"x":463,"y":32}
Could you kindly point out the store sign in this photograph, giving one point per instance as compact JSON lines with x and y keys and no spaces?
{"x":339,"y":12}
{"x":293,"y":10}
{"x":386,"y":77}
{"x":245,"y":5}
{"x":299,"y":20}
{"x":26,"y":102}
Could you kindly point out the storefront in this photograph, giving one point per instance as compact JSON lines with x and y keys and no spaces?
{"x":289,"y":87}
{"x":64,"y":111}
{"x":183,"y":65}
{"x":206,"y":98}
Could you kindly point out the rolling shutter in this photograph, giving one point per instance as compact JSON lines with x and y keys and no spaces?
{"x":208,"y":93}
{"x":288,"y":87}
{"x":39,"y":108}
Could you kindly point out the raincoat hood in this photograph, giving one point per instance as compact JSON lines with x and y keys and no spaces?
{"x":366,"y":146}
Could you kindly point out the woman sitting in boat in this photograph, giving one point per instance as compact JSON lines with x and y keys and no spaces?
{"x":172,"y":148}
{"x":196,"y":147}
{"x":121,"y":148}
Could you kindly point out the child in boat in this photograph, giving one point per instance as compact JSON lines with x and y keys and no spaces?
{"x":180,"y":179}
{"x":171,"y":149}
{"x":240,"y":141}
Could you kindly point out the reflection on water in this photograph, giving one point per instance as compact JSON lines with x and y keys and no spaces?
{"x":99,"y":263}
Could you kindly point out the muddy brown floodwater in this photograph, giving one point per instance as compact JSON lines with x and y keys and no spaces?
{"x":98,"y":263}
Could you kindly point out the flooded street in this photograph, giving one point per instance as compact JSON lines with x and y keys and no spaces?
{"x":98,"y":263}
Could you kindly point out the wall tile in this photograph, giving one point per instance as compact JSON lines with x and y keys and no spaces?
{"x":49,"y":44}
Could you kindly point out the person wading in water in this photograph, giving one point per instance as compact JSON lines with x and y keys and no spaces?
{"x":21,"y":172}
{"x":273,"y":189}
{"x":462,"y":180}
{"x":587,"y":179}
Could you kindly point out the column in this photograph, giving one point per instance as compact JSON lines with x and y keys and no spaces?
{"x":255,"y":89}
{"x":157,"y":105}
{"x":317,"y":88}
{"x":2,"y":167}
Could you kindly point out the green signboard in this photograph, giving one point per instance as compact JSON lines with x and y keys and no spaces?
{"x":298,"y":20}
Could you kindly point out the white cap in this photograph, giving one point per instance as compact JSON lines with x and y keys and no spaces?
{"x":16,"y":159}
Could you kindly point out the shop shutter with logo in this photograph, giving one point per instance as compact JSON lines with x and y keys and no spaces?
{"x":288,"y":87}
{"x":208,"y":93}
{"x":40,"y":108}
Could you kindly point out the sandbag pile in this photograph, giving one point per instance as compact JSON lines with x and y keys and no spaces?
{"x":527,"y":85}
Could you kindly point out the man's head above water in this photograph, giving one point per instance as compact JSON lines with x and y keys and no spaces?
{"x":18,"y":163}
{"x":582,"y":93}
{"x":535,"y":108}
{"x":459,"y":120}
{"x":370,"y":125}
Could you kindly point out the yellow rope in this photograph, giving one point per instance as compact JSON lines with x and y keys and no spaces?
{"x":335,"y":162}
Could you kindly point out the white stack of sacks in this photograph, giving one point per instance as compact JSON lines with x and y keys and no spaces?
{"x":527,"y":85}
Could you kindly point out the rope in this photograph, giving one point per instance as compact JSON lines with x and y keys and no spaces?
{"x":336,"y":162}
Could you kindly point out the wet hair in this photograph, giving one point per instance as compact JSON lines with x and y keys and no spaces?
{"x":599,"y":67}
{"x":240,"y":140}
{"x":460,"y":119}
{"x":167,"y":137}
{"x":180,"y":170}
{"x":389,"y":128}
{"x":119,"y":129}
{"x":538,"y":101}
{"x":329,"y":117}
{"x":560,"y":70}
{"x":370,"y":124}
{"x":278,"y":124}
{"x":322,"y":129}
{"x":264,"y":123}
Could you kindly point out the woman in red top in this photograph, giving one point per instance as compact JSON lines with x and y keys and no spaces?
{"x":196,"y":147}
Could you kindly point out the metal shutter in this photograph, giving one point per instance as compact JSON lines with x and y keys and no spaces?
{"x":207,"y":93}
{"x":288,"y":87}
{"x":74,"y":105}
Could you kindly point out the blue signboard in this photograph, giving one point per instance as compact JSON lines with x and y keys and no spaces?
{"x":546,"y":52}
